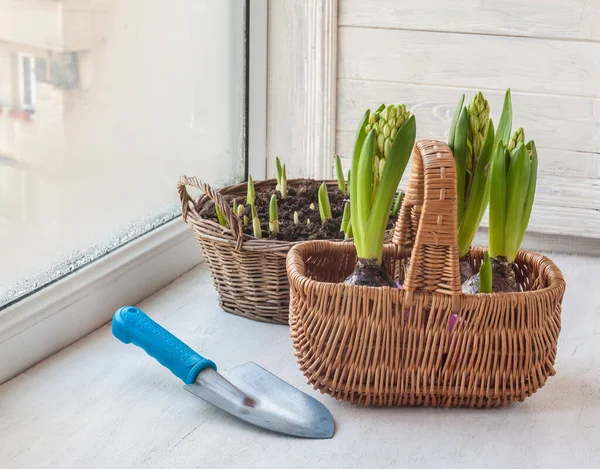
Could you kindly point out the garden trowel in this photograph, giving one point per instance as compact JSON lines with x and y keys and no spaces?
{"x":247,"y":392}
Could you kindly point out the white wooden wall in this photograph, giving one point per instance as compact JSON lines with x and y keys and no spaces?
{"x":426,"y":53}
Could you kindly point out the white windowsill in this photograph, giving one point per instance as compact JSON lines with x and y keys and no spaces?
{"x":67,"y":310}
{"x":100,"y":403}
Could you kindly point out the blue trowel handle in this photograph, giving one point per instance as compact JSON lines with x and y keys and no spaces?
{"x":131,"y":325}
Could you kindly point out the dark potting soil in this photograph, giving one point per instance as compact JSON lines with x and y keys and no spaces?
{"x":298,"y":200}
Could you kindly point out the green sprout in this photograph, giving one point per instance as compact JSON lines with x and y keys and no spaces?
{"x":283,"y":183}
{"x":273,"y":215}
{"x":340,"y":175}
{"x":397,"y":203}
{"x":250,"y":195}
{"x":485,"y":275}
{"x":220,"y":217}
{"x":256,"y":223}
{"x":324,"y":206}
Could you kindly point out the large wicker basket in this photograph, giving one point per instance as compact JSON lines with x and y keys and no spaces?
{"x":425,"y":343}
{"x":249,"y":274}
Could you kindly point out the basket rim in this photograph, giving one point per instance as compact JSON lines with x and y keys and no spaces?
{"x":295,"y":269}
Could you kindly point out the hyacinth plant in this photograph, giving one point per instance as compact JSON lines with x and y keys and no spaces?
{"x":386,"y":121}
{"x":471,"y":140}
{"x":383,"y":145}
{"x":513,"y":182}
{"x":511,"y":187}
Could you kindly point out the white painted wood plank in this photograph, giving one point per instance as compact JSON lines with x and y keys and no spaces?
{"x":558,"y":122}
{"x":448,"y":59}
{"x":564,"y":221}
{"x":564,"y":164}
{"x":573,"y":19}
{"x":104,"y":404}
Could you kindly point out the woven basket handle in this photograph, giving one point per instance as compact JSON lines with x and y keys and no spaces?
{"x":187,"y":204}
{"x":427,"y":223}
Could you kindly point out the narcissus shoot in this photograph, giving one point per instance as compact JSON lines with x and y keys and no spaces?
{"x":345,"y":218}
{"x":278,"y":172}
{"x":273,"y":215}
{"x":250,"y":194}
{"x":296,"y":218}
{"x":339,"y":173}
{"x":283,"y":183}
{"x":222,"y":220}
{"x":256,"y":223}
{"x":324,"y":205}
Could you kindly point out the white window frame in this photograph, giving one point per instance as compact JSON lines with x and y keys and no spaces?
{"x":61,"y":313}
{"x":32,"y":83}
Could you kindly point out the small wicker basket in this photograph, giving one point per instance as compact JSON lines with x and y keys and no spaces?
{"x":426,"y":343}
{"x":249,"y":274}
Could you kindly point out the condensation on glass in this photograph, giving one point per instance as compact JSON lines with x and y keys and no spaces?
{"x":103,"y":105}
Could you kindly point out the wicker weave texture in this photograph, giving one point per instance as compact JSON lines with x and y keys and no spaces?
{"x":249,"y":274}
{"x":426,"y":343}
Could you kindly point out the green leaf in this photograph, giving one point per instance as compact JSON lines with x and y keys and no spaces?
{"x":485,"y":275}
{"x":361,"y":135}
{"x":345,"y":218}
{"x":255,"y":223}
{"x":339,"y":172}
{"x":397,"y":203}
{"x":324,"y":206}
{"x":273,"y":212}
{"x":497,"y":185}
{"x":505,"y":123}
{"x":278,"y":170}
{"x":283,"y":184}
{"x":364,"y":190}
{"x":529,"y":198}
{"x":517,"y":181}
{"x":390,"y":178}
{"x":250,"y":195}
{"x":478,"y":197}
{"x":220,"y":217}
{"x":455,"y":117}
{"x":461,"y":136}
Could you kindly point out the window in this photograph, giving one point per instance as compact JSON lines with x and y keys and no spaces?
{"x":128,"y":96}
{"x":27,"y":82}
